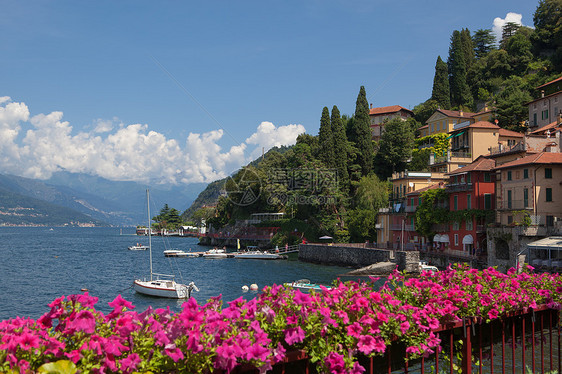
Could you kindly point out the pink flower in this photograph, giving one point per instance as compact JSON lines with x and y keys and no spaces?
{"x":493,"y":314}
{"x":366,"y":344}
{"x":404,"y":327}
{"x":119,"y":303}
{"x":412,"y":349}
{"x":257,"y":352}
{"x":294,"y":335}
{"x":335,"y":363}
{"x":28,"y":341}
{"x":354,"y":329}
{"x":83,"y":321}
{"x":173,"y":352}
{"x":130,"y":363}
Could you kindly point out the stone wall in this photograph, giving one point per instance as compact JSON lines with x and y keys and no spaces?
{"x":357,"y":257}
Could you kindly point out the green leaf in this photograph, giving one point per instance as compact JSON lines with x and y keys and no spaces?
{"x":59,"y":367}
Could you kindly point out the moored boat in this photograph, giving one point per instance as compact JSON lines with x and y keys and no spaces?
{"x":305,"y":284}
{"x":161,"y":285}
{"x":175,"y":253}
{"x":138,"y":247}
{"x":215,"y":253}
{"x":257,"y":255}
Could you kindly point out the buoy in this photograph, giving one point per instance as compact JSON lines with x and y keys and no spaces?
{"x":245,"y":288}
{"x":254,"y":287}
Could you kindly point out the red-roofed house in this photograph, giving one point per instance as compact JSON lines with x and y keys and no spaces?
{"x":443,"y":121}
{"x":531,"y":184}
{"x":548,"y":107}
{"x":471,"y":189}
{"x":381,"y":115}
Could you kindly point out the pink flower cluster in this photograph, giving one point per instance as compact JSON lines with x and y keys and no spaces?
{"x":331,"y":326}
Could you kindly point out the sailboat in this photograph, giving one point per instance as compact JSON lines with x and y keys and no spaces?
{"x":161,"y":285}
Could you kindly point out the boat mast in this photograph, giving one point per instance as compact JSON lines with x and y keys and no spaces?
{"x":149,"y":231}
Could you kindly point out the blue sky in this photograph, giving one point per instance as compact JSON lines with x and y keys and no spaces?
{"x":205,"y":86}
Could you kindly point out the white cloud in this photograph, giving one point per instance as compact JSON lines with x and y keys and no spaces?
{"x":269,"y":136}
{"x":499,"y":23}
{"x":39,"y":145}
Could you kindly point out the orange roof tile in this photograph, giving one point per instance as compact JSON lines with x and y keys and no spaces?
{"x":387,"y":109}
{"x":550,"y":126}
{"x":538,"y":158}
{"x":480,"y":164}
{"x":484,"y":125}
{"x":430,"y":187}
{"x":512,"y":134}
{"x":456,"y":113}
{"x":552,"y":81}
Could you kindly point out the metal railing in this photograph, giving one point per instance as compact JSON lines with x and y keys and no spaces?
{"x":514,"y":204}
{"x":527,"y":341}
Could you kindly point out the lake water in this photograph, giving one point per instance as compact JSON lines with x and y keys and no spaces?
{"x":40,"y":264}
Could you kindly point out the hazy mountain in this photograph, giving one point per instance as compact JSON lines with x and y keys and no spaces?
{"x":117,"y":203}
{"x":17,"y":209}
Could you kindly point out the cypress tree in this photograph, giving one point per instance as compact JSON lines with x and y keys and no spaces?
{"x":484,"y":41}
{"x":467,"y":48}
{"x":441,"y":92}
{"x":460,"y":92}
{"x":360,"y":133}
{"x":340,"y":146}
{"x":326,"y":139}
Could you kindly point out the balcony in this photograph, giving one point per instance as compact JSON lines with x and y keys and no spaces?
{"x":410,"y":208}
{"x":459,"y":187}
{"x":513,"y":205}
{"x":504,"y":149}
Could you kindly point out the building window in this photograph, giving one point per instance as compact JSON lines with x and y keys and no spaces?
{"x":487,"y":201}
{"x":525,"y":173}
{"x":487,"y":177}
{"x":456,"y":239}
{"x":456,"y":226}
{"x":509,"y":219}
{"x":455,"y":202}
{"x":549,"y":194}
{"x":550,"y":220}
{"x":517,"y":174}
{"x":468,"y":178}
{"x":534,"y":119}
{"x":508,"y":199}
{"x":545,"y":114}
{"x":525,"y":198}
{"x":509,"y":175}
{"x":548,"y":173}
{"x":468,"y":225}
{"x":412,"y":201}
{"x":468,"y":202}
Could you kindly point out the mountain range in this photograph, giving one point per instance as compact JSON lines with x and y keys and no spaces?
{"x":67,"y":198}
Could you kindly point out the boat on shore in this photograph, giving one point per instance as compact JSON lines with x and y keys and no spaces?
{"x":138,"y":247}
{"x":215,"y":253}
{"x":424,"y":266}
{"x":161,"y":285}
{"x":305,"y":284}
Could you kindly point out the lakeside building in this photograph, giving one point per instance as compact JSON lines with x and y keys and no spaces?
{"x":379,"y":116}
{"x":548,"y":107}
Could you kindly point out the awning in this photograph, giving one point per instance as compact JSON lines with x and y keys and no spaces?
{"x":444,"y":238}
{"x":467,"y":239}
{"x":460,"y":133}
{"x":437,"y":238}
{"x":552,"y":242}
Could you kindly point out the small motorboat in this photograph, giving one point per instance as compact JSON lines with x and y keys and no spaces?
{"x":175,"y":253}
{"x":215,"y":253}
{"x":305,"y":284}
{"x":258,"y":255}
{"x":424,"y":266}
{"x":138,"y":247}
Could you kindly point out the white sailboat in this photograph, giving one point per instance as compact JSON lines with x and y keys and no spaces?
{"x":161,"y":285}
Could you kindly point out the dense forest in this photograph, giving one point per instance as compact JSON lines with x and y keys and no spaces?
{"x":335,"y":182}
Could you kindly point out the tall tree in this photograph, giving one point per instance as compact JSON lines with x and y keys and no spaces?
{"x":360,"y":133}
{"x":467,"y":48}
{"x":508,"y":30}
{"x":326,"y":140}
{"x":460,"y":92}
{"x":340,"y":146}
{"x":547,"y":38}
{"x":484,"y":41}
{"x":441,"y":92}
{"x":396,"y":146}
